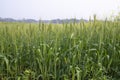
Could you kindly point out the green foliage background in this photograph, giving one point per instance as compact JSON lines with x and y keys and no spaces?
{"x":68,"y":51}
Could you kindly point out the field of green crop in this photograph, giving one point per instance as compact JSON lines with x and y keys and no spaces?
{"x":68,"y":51}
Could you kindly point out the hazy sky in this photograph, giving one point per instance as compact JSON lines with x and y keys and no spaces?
{"x":52,"y":9}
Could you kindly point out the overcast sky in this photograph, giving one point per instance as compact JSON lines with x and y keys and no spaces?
{"x":52,"y":9}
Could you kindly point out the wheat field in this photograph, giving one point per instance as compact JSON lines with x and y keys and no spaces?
{"x":69,"y":51}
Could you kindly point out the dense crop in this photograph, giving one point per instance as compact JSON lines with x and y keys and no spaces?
{"x":68,"y":51}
